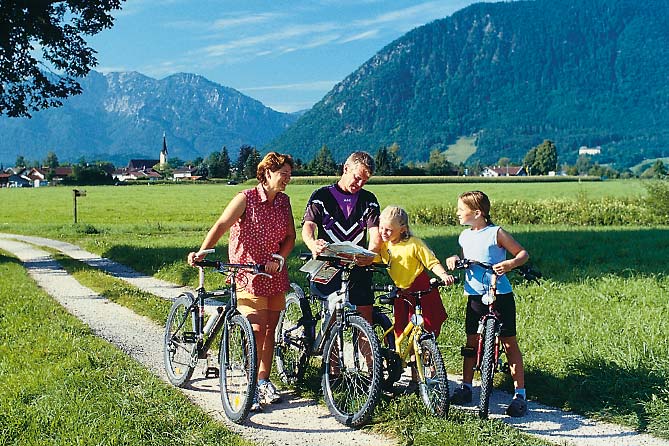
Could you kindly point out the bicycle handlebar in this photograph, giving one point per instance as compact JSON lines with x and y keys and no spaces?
{"x":525,"y":271}
{"x":392,"y":292}
{"x":223,"y":266}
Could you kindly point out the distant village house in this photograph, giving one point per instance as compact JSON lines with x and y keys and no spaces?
{"x":583,"y":150}
{"x":505,"y":171}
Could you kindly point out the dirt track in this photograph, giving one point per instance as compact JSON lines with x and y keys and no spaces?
{"x":294,"y":422}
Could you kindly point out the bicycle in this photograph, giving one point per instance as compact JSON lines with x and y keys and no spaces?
{"x":415,"y":342}
{"x":346,"y":342}
{"x":489,"y":347}
{"x":188,"y":339}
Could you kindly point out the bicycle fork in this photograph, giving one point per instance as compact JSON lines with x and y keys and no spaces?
{"x":499,"y":348}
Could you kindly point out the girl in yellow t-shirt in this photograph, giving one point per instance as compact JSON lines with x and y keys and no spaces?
{"x":408,"y":257}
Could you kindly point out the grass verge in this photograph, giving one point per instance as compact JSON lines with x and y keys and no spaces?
{"x":60,"y":384}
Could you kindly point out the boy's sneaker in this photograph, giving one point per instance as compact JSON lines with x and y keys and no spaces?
{"x":518,"y":407}
{"x":255,"y":406}
{"x":268,"y":393}
{"x":462,"y":395}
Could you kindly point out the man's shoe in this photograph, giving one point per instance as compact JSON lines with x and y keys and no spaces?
{"x":462,"y":395}
{"x":268,"y":393}
{"x":518,"y":407}
{"x":255,"y":406}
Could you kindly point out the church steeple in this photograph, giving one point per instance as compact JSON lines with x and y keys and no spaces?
{"x":163,"y":153}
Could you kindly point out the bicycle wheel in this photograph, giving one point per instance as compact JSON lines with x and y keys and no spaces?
{"x":180,"y":356}
{"x":391,"y":363}
{"x":487,"y":366}
{"x":238,"y":368}
{"x":291,"y":343}
{"x":352,"y":376}
{"x":434,"y":386}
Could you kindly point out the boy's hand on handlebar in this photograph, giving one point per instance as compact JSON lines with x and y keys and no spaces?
{"x":450,"y":262}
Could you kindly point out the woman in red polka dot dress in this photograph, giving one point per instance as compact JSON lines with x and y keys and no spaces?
{"x":262,"y":231}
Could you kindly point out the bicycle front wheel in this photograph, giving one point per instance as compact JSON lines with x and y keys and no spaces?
{"x":487,"y":366}
{"x":352,"y":377}
{"x":290,"y":347}
{"x":434,"y":385}
{"x":179,"y":352}
{"x":238,"y":368}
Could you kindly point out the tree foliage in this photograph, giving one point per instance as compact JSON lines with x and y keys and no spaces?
{"x":57,"y":31}
{"x":387,"y":160}
{"x":541,"y":159}
{"x":244,"y":153}
{"x":218,"y":164}
{"x":51,"y":160}
{"x":323,"y":163}
{"x":251,"y":164}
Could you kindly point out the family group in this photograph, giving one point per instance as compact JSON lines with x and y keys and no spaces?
{"x":262,"y":231}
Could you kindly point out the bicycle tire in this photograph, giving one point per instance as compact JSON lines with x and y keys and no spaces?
{"x":238,"y":368}
{"x":433,"y":388}
{"x":391,"y":363}
{"x":291,"y":341}
{"x":352,"y":389}
{"x":487,"y":367}
{"x":180,"y":356}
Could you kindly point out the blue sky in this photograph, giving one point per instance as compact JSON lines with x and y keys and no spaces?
{"x":286,"y":54}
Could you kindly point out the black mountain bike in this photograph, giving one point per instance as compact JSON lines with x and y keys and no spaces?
{"x":349,"y":348}
{"x":489,"y":348}
{"x":188,"y":339}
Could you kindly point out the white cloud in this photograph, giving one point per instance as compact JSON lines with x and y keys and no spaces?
{"x":372,"y":33}
{"x":243,"y":19}
{"x":303,"y":86}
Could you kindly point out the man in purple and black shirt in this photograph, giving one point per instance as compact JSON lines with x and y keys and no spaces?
{"x":344,"y":211}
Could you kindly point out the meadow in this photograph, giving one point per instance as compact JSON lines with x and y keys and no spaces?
{"x":593,"y":332}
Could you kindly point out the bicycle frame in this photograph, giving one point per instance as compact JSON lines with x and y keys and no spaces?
{"x":205,"y":333}
{"x":499,"y":346}
{"x":413,"y":333}
{"x":341,"y":311}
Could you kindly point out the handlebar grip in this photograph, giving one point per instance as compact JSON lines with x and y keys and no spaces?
{"x":305,"y":256}
{"x":207,"y":263}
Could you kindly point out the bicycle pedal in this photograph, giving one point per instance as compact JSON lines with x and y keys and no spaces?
{"x":189,"y":337}
{"x":211,"y":372}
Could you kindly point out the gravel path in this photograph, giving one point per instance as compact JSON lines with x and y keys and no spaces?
{"x":296,"y":421}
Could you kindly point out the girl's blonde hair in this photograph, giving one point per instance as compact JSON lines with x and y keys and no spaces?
{"x":477,"y":201}
{"x":399,"y":216}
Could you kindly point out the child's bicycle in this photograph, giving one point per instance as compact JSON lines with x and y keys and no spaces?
{"x":349,"y":348}
{"x":188,"y":339}
{"x":489,"y":348}
{"x":414,"y":342}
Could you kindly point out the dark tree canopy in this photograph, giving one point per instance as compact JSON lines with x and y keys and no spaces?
{"x":43,"y":50}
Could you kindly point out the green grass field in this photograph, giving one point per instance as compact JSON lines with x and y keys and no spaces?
{"x":62,"y":385}
{"x":593,"y":333}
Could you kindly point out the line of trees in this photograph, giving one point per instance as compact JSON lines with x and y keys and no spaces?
{"x":539,"y":160}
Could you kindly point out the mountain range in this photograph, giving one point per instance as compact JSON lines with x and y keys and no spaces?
{"x":505,"y":75}
{"x":121,"y":116}
{"x":578,"y":72}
